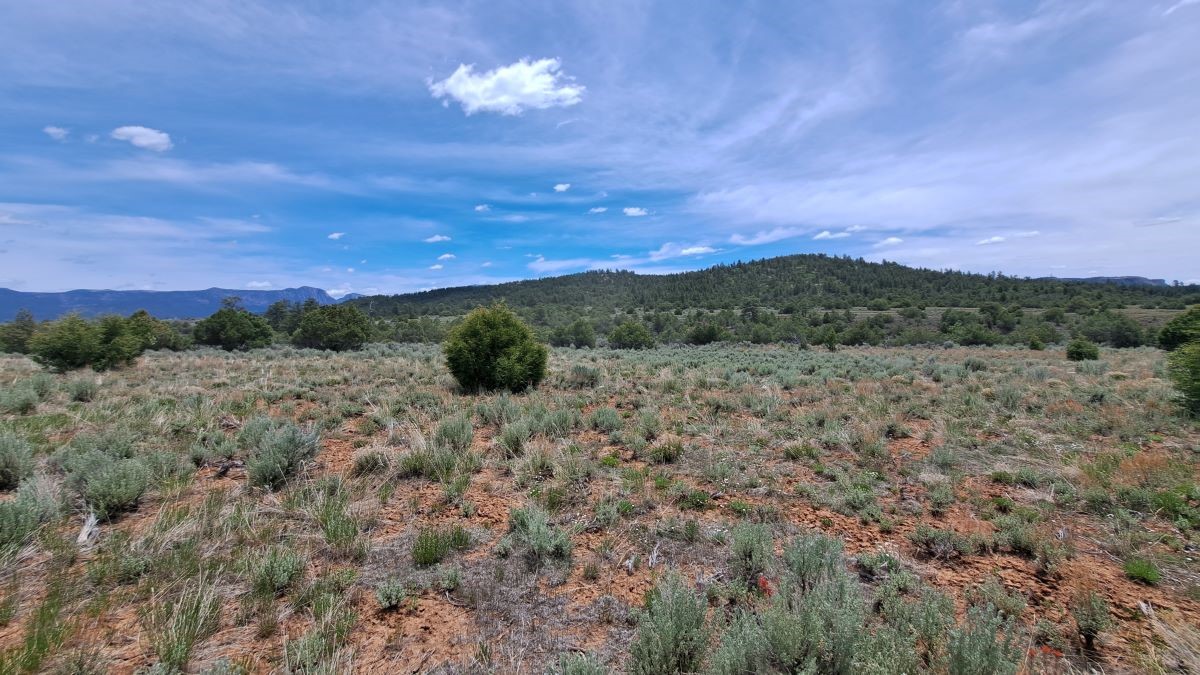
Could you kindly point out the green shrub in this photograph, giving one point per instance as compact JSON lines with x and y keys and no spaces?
{"x":1181,"y":330}
{"x":275,"y":571}
{"x":455,"y":434}
{"x":1183,"y":367}
{"x":1081,"y":349}
{"x":944,"y":544}
{"x":743,"y":648}
{"x":18,"y":400}
{"x":69,"y":343}
{"x":667,"y":451}
{"x":18,"y":521}
{"x":371,"y":462}
{"x":631,"y":335}
{"x":607,"y":420}
{"x":279,"y":453}
{"x":113,"y":487}
{"x":985,"y":644}
{"x":83,"y":389}
{"x":513,"y":437}
{"x":1143,"y":570}
{"x":493,"y":349}
{"x":813,"y":558}
{"x":16,"y":460}
{"x":671,"y":635}
{"x":753,"y":549}
{"x":337,"y":327}
{"x":232,"y":328}
{"x":1090,"y":610}
{"x":531,"y":530}
{"x":391,"y":593}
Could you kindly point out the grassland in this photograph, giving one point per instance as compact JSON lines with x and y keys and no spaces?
{"x":723,"y":508}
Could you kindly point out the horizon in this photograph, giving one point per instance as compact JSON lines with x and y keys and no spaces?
{"x":380,"y":149}
{"x":339,"y":295}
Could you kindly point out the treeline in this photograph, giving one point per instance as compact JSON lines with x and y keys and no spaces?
{"x":787,"y":285}
{"x":73,"y":342}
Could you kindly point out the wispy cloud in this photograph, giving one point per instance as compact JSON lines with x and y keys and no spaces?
{"x":435,"y":239}
{"x":336,"y":235}
{"x":57,"y":133}
{"x":635,"y":211}
{"x":597,"y":209}
{"x":766,"y":236}
{"x":826,"y":234}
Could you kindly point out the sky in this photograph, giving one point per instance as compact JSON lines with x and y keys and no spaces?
{"x":385,"y":147}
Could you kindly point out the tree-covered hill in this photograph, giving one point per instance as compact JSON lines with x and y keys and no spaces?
{"x":786,"y":284}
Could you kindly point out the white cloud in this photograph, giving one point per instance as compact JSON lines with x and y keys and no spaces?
{"x":144,"y":137}
{"x":1026,"y":235}
{"x":515,"y":218}
{"x":487,"y":264}
{"x":540,"y":264}
{"x":436,"y":238}
{"x":826,"y":234}
{"x":856,"y":228}
{"x":336,"y":235}
{"x":258,"y":285}
{"x":483,"y":208}
{"x":446,"y":256}
{"x":765,"y":237}
{"x":435,"y":267}
{"x":990,"y":240}
{"x":339,"y":291}
{"x":634,"y":211}
{"x":562,"y":187}
{"x":697,"y":250}
{"x":598,"y":209}
{"x":890,"y":241}
{"x":509,"y":90}
{"x":350,"y":270}
{"x":57,"y":133}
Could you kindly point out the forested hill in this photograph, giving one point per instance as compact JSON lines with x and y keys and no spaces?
{"x":796,"y":282}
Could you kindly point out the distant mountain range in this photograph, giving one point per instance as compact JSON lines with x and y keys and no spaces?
{"x":162,"y":304}
{"x":812,"y":280}
{"x":1120,"y":281}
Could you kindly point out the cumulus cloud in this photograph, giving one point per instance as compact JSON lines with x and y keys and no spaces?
{"x":890,"y":241}
{"x":598,"y":209}
{"x":258,"y":285}
{"x":509,"y":90}
{"x":765,"y":237}
{"x":436,"y":238}
{"x":562,"y":187}
{"x":634,"y":211}
{"x":483,"y":208}
{"x":143,"y":137}
{"x":990,"y":240}
{"x":336,"y":235}
{"x":446,"y":256}
{"x":57,"y":133}
{"x":826,"y":234}
{"x":435,"y":267}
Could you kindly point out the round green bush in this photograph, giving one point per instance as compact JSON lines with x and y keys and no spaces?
{"x":232,"y":328}
{"x":493,"y":349}
{"x":1082,"y":350}
{"x":631,"y":335}
{"x":336,"y":327}
{"x":1181,"y":330}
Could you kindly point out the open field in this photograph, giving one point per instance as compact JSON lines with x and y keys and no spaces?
{"x":290,"y":509}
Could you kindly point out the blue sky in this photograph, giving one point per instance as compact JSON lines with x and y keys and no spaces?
{"x":396,"y":146}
